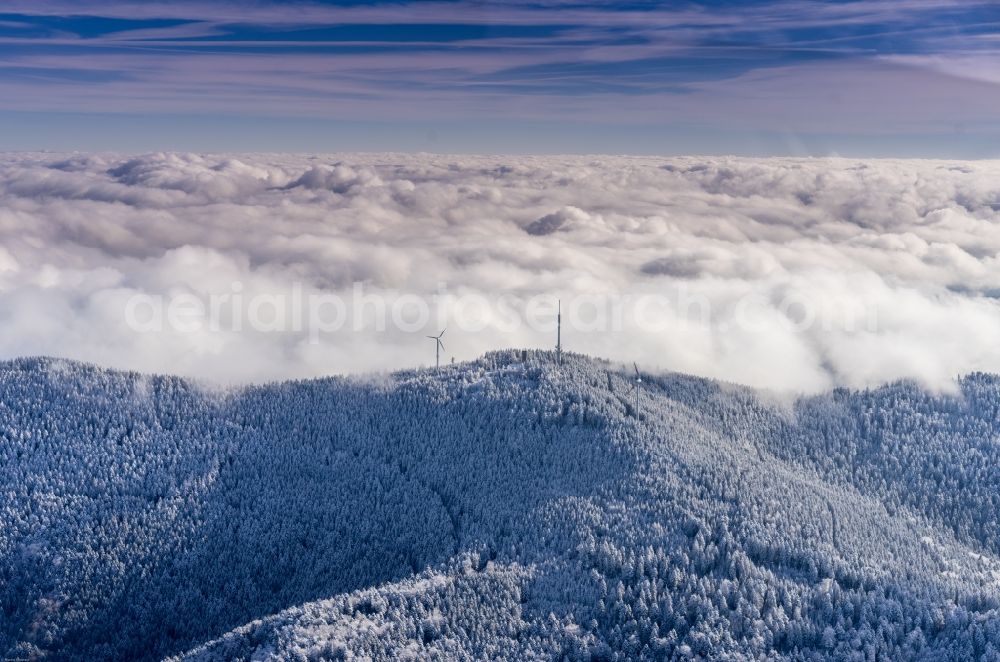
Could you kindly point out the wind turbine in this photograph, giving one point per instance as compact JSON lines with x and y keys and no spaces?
{"x":559,"y":334}
{"x":438,"y":346}
{"x":638,"y":382}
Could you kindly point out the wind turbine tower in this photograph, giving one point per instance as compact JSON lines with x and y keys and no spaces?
{"x":559,"y":334}
{"x":438,"y":346}
{"x":638,"y":382}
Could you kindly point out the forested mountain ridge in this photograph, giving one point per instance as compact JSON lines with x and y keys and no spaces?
{"x":497,"y":508}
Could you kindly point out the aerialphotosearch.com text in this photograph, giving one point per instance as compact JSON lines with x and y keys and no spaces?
{"x":316,"y":314}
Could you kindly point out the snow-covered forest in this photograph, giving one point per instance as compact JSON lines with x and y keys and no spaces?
{"x":505,"y":508}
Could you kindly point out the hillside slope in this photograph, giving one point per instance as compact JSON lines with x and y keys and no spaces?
{"x":495,"y":508}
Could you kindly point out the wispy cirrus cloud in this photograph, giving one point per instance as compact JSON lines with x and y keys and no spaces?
{"x":661,"y":64}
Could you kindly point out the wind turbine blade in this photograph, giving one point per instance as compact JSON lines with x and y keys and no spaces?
{"x":442,"y":332}
{"x":636,"y":369}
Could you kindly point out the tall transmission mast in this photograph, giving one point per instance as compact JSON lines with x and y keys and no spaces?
{"x":559,"y":334}
{"x":638,"y":382}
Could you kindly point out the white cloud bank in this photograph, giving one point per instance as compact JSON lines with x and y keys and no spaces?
{"x":786,"y":273}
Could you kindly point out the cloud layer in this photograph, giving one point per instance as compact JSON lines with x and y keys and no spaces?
{"x":793,"y":274}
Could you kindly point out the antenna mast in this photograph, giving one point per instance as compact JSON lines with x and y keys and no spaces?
{"x":559,"y":334}
{"x":638,"y":381}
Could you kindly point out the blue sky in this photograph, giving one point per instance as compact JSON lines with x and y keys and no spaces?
{"x":866,"y":78}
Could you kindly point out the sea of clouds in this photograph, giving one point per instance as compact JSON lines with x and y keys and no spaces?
{"x":794,"y":274}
